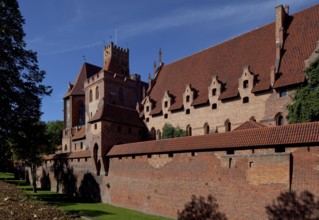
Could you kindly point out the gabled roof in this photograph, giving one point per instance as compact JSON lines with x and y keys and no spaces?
{"x":249,"y":125}
{"x":226,"y":60}
{"x":117,"y":114}
{"x":289,"y":135}
{"x":87,"y":70}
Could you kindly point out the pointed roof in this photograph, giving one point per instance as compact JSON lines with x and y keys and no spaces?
{"x":87,"y":70}
{"x":226,"y":60}
{"x":249,"y":125}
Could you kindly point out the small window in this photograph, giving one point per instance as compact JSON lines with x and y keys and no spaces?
{"x":90,"y":96}
{"x":283,"y":93}
{"x":245,"y":84}
{"x":95,"y":126}
{"x":165,"y":104}
{"x":280,"y":149}
{"x":227,"y":126}
{"x":147,"y":108}
{"x":230,"y":151}
{"x":188,"y":111}
{"x":147,"y":119}
{"x":188,"y":130}
{"x":65,"y":148}
{"x":75,"y":146}
{"x":214,"y":106}
{"x":97,"y":94}
{"x":165,"y":116}
{"x":279,"y":119}
{"x":206,"y":128}
{"x":81,"y":146}
{"x":170,"y":155}
{"x":187,"y":98}
{"x":214,"y":92}
{"x":245,"y":99}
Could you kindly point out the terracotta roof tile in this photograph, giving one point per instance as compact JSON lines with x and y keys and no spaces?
{"x":80,"y":134}
{"x":70,"y":155}
{"x":300,"y":43}
{"x":118,"y":114}
{"x":249,"y":125}
{"x":86,"y":71}
{"x":226,"y":61}
{"x":289,"y":135}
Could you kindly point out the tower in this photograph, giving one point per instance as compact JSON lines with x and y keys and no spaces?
{"x":116,"y":59}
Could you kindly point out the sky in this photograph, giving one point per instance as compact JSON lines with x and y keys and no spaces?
{"x":67,"y":33}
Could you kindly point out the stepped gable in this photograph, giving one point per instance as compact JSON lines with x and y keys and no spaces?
{"x":117,"y":114}
{"x":249,"y":125}
{"x":289,"y":135}
{"x":86,"y":72}
{"x":300,"y":42}
{"x":226,"y":60}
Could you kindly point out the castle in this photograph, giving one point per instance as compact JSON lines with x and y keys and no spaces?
{"x":232,"y":101}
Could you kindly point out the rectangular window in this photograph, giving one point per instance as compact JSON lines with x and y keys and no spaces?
{"x":283,"y":93}
{"x":245,"y":84}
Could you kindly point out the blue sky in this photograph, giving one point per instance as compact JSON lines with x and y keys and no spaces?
{"x":63,"y":31}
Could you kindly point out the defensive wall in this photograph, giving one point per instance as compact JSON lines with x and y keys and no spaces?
{"x":245,"y":170}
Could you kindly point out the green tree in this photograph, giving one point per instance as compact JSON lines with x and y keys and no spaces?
{"x":170,"y":132}
{"x":54,"y":131}
{"x":21,"y":87}
{"x":305,"y":105}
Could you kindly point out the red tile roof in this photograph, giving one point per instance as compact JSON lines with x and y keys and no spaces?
{"x":70,"y":155}
{"x":118,"y":114}
{"x":299,"y":44}
{"x":226,"y":61}
{"x":249,"y":125}
{"x":289,"y":135}
{"x":80,"y":134}
{"x":86,"y":71}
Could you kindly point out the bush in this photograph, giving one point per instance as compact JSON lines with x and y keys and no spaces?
{"x":170,"y":132}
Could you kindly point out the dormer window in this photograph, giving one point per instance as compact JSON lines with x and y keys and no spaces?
{"x":165,"y":104}
{"x":187,"y":98}
{"x":188,"y":111}
{"x":245,"y":84}
{"x":214,"y":92}
{"x":147,"y":108}
{"x":245,"y":99}
{"x":214,"y":106}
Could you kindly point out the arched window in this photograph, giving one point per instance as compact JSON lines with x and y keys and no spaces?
{"x":153,"y":133}
{"x":158,"y":135}
{"x":188,"y":130}
{"x":81,"y":114}
{"x":227,"y":125}
{"x":206,"y":128}
{"x":279,"y":119}
{"x":121,"y":97}
{"x":65,"y":147}
{"x":90,"y":96}
{"x":97,"y":93}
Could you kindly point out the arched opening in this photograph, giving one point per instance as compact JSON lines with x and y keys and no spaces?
{"x":206,"y":128}
{"x":121,"y":96}
{"x":158,"y":135}
{"x":153,"y":133}
{"x":90,"y":96}
{"x":65,"y":147}
{"x":227,"y":125}
{"x":279,"y":119}
{"x":97,"y":93}
{"x":97,"y":162}
{"x":188,"y":130}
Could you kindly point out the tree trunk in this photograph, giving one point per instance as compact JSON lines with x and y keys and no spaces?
{"x":34,"y":177}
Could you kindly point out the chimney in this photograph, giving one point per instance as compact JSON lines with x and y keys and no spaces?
{"x":281,"y":16}
{"x":272,"y":75}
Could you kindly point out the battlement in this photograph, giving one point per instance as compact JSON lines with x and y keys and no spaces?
{"x":116,"y":59}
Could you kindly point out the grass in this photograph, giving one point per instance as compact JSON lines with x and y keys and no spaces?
{"x":91,"y":210}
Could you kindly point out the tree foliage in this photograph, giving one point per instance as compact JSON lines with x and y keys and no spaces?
{"x":170,"y":132}
{"x":290,"y":205}
{"x":200,"y":208}
{"x":54,"y":131}
{"x":21,"y":87}
{"x":305,"y":106}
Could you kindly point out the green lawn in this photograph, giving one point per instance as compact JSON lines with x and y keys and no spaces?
{"x":92,"y":210}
